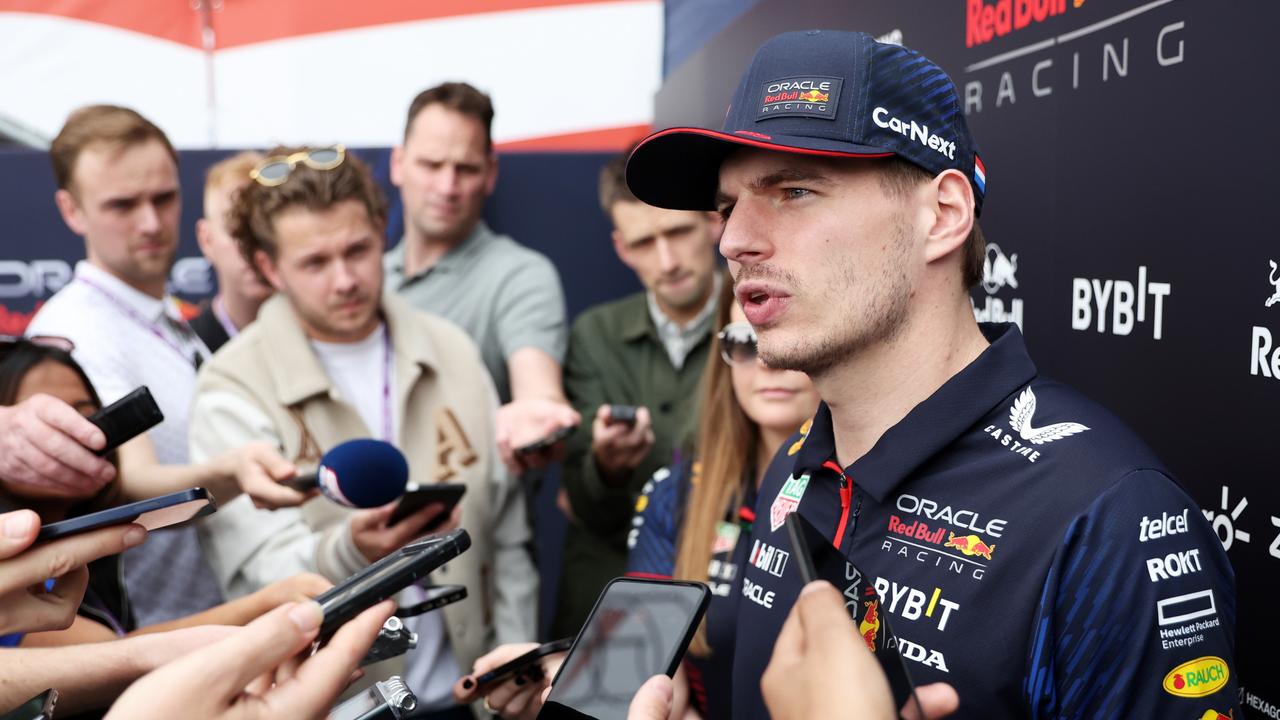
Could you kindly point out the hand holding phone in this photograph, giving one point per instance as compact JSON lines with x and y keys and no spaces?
{"x":638,"y":629}
{"x":547,"y":442}
{"x":414,"y":499}
{"x":127,"y":418}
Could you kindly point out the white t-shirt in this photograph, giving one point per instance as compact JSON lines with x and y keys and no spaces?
{"x":363,"y":375}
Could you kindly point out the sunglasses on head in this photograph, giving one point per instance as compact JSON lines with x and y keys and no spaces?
{"x":738,"y":343}
{"x":276,"y":169}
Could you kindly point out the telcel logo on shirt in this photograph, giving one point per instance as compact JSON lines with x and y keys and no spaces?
{"x":1197,"y":678}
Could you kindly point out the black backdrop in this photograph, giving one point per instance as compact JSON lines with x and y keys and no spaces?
{"x":1123,"y":141}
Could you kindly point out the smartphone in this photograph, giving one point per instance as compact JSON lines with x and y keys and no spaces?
{"x":39,"y":707}
{"x":127,"y":418}
{"x":637,"y":629}
{"x":388,"y":699}
{"x":622,"y":414}
{"x":386,"y":577}
{"x":546,"y":442}
{"x":818,"y":559}
{"x":414,"y":499}
{"x":521,"y":664}
{"x":153,"y":513}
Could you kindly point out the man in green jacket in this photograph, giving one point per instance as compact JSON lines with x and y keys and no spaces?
{"x":646,"y":350}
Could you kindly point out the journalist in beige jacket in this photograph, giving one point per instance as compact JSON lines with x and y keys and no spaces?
{"x":267,"y":384}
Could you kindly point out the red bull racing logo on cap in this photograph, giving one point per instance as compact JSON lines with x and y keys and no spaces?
{"x":806,"y":96}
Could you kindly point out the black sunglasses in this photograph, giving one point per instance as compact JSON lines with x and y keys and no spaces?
{"x":738,"y":343}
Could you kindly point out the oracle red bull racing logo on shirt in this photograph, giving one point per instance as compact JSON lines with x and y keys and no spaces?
{"x":942,"y":536}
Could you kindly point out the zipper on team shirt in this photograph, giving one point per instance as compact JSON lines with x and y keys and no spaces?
{"x":846,"y":500}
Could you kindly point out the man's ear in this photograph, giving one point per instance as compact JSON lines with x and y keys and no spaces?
{"x":397,"y":173}
{"x":267,"y":268}
{"x":951,"y":207}
{"x":491,"y":182}
{"x":70,"y":211}
{"x":620,"y":247}
{"x":203,"y":238}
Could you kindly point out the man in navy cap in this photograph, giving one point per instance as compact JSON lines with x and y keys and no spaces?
{"x":1026,"y":546}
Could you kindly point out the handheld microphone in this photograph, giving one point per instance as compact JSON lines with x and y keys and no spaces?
{"x":362,"y":473}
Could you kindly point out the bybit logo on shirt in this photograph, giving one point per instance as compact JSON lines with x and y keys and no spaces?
{"x":1090,"y":298}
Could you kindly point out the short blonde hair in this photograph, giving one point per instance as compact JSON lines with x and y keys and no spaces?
{"x":113,"y":125}
{"x":231,"y":173}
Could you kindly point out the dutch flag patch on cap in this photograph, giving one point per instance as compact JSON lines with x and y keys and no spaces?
{"x":979,"y":173}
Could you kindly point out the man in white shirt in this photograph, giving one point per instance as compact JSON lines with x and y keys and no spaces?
{"x":331,"y":358}
{"x":117,"y":179}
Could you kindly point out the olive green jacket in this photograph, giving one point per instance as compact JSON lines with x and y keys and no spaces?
{"x":616,"y":358}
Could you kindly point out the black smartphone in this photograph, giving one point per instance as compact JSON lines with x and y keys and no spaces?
{"x":153,"y":513}
{"x":39,"y":707}
{"x":387,"y":577}
{"x":546,"y":442}
{"x":417,"y":498}
{"x":525,"y":662}
{"x":622,"y":414}
{"x":127,"y":418}
{"x":818,"y":559}
{"x":637,"y":629}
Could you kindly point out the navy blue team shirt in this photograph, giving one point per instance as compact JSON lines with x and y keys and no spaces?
{"x":651,"y":553}
{"x":1029,"y":548}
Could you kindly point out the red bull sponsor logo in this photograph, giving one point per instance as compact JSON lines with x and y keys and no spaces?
{"x":1215,"y":715}
{"x":971,"y":545}
{"x":917,"y":529}
{"x":1197,"y":678}
{"x":869,"y":627}
{"x":984,"y":23}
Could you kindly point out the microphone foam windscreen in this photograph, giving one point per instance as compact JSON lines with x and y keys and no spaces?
{"x":363,"y":473}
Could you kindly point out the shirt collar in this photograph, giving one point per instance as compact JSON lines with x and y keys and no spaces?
{"x":298,"y":374}
{"x":700,"y":322}
{"x":954,"y":408}
{"x":153,"y":309}
{"x":479,"y":237}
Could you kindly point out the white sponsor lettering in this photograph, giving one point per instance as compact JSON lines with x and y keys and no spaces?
{"x":1183,"y":608}
{"x":918,"y":653}
{"x":912,"y":604}
{"x":1187,"y":635}
{"x":1086,"y":294}
{"x":921,"y":554}
{"x":757,"y":594}
{"x":1262,"y":359}
{"x":1163,"y":526}
{"x":959,"y":518}
{"x":914,"y":131}
{"x":1257,"y":703}
{"x":769,"y":558}
{"x":1174,"y":565}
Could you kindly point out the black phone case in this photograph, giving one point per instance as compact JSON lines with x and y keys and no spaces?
{"x":546,"y":442}
{"x":684,"y":641}
{"x":502,"y":672}
{"x":126,"y":513}
{"x":414,"y":500}
{"x":127,"y":418}
{"x":389,"y":575}
{"x":865,"y":605}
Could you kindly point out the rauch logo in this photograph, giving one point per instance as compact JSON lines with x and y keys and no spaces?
{"x":1197,"y":678}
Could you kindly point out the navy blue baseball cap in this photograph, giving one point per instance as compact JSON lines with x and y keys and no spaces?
{"x":817,"y":92}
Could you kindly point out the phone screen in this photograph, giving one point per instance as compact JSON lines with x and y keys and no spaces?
{"x":820,"y":560}
{"x":638,"y":629}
